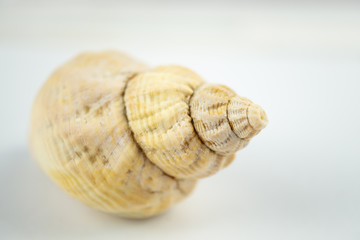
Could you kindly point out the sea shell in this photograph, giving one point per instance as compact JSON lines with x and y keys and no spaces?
{"x":130,"y":140}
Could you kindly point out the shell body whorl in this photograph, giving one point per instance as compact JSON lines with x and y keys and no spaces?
{"x":130,"y":140}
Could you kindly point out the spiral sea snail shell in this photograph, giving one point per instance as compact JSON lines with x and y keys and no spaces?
{"x":132,"y":140}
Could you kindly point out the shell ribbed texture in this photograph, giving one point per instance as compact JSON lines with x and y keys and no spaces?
{"x":209,"y":110}
{"x":158,"y":110}
{"x":81,"y":138}
{"x":130,"y":140}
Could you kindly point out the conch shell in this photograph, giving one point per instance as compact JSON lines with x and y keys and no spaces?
{"x":131,"y":140}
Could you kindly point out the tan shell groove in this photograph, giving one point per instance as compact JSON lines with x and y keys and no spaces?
{"x":131,"y":140}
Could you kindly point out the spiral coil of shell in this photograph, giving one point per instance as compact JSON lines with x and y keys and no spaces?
{"x":130,"y":140}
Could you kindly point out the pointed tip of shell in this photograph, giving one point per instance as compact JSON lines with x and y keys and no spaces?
{"x":257,"y":117}
{"x":247,"y":119}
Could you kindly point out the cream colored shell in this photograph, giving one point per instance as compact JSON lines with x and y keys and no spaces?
{"x":131,"y":140}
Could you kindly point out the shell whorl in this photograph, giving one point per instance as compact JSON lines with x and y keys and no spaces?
{"x":224,"y":121}
{"x":81,"y":138}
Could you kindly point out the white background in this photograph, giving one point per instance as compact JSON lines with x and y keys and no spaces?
{"x":299,"y":179}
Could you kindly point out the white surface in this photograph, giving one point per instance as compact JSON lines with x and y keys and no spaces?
{"x":299,"y":179}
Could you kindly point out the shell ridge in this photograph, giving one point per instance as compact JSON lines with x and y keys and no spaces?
{"x":231,"y":125}
{"x":177,"y":184}
{"x":193,"y":123}
{"x":213,"y":129}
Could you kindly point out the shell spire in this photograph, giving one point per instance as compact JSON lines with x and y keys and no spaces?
{"x":224,"y":121}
